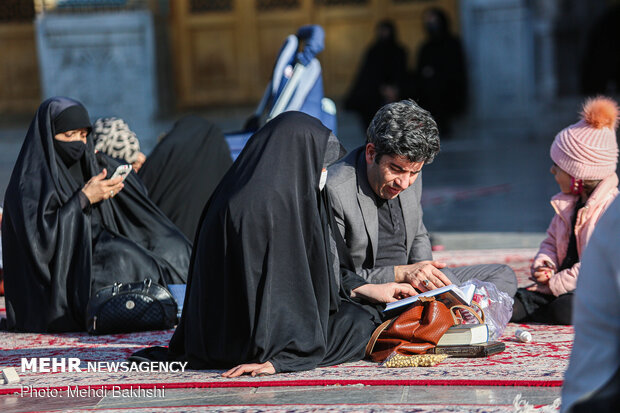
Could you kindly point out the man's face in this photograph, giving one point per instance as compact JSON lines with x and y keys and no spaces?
{"x":392,"y":175}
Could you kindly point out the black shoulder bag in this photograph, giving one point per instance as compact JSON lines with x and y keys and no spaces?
{"x":125,"y":308}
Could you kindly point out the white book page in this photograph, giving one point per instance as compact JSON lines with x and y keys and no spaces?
{"x":466,"y":292}
{"x":466,"y":296}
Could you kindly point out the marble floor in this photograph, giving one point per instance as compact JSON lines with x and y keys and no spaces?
{"x":333,"y":395}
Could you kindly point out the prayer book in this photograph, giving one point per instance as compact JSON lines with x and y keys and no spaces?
{"x":470,"y":350}
{"x":450,"y":295}
{"x":463,"y":334}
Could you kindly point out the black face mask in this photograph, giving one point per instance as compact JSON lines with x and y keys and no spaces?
{"x":69,"y":152}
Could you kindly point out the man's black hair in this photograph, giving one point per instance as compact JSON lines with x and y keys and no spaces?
{"x":405,"y":129}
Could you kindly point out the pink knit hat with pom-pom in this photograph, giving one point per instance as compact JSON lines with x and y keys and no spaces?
{"x":589,"y":149}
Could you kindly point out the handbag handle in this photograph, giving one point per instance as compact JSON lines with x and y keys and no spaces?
{"x":459,"y":319}
{"x":375,"y":335}
{"x":146,"y":285}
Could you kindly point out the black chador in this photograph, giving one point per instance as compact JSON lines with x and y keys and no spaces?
{"x":58,"y":251}
{"x":184,"y":169}
{"x":265,"y":280}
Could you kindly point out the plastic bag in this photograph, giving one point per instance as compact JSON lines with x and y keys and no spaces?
{"x":496,"y":304}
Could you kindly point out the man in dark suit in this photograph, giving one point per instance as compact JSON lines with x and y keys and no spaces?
{"x":375,"y":193}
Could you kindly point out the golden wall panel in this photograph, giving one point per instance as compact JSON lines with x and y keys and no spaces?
{"x":19,"y":72}
{"x":248,"y":36}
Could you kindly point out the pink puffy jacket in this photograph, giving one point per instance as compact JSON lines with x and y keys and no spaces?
{"x":553,"y":249}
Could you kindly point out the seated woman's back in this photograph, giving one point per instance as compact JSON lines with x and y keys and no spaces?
{"x":184,"y":169}
{"x":270,"y":287}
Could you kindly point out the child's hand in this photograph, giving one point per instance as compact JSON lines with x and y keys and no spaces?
{"x":542,"y":275}
{"x":540,"y":288}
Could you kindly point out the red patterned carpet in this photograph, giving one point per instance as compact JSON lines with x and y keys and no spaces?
{"x":318,"y":408}
{"x":539,"y":363}
{"x":519,"y":259}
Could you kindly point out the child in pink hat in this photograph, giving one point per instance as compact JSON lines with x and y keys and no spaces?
{"x":585,"y":157}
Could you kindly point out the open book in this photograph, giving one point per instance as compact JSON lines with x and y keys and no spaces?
{"x":450,"y":295}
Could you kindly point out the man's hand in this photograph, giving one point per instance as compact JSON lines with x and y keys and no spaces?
{"x":541,"y":288}
{"x":383,"y":293}
{"x":423,"y":275}
{"x":98,"y":188}
{"x":253,"y":369}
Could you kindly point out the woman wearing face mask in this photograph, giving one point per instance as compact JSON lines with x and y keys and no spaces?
{"x":68,"y":230}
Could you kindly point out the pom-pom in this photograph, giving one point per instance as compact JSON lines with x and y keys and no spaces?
{"x":600,"y":112}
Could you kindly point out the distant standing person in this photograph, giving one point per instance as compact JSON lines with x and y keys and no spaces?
{"x":381,"y":75}
{"x":600,"y":68}
{"x":440,"y":79}
{"x":585,"y":157}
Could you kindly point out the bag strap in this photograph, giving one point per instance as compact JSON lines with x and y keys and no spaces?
{"x":375,"y":335}
{"x":459,"y":319}
{"x":475,"y":304}
{"x":146,"y":284}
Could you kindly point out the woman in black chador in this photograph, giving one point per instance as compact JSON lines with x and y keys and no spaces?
{"x":68,"y":231}
{"x":184,"y":168}
{"x":440,"y":78}
{"x":266,"y":291}
{"x":381,"y":75}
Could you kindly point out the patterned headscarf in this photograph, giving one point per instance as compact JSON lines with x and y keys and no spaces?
{"x":113,"y":137}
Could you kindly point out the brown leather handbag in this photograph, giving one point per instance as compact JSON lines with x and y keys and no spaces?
{"x":414,"y":331}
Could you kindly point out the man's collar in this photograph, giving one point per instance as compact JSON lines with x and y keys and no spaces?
{"x":363,"y":186}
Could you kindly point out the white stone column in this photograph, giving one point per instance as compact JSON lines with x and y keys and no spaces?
{"x":545,"y":12}
{"x":498,"y":41}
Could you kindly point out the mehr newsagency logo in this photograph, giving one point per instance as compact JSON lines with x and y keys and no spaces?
{"x":74,"y":364}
